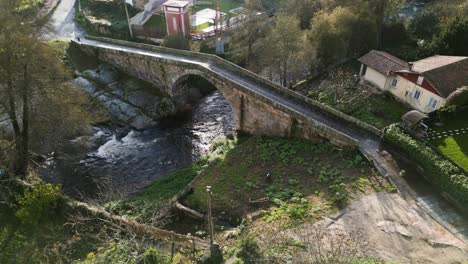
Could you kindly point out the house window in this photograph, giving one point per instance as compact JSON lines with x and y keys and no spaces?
{"x":394,"y":82}
{"x":420,"y":80}
{"x":417,"y":94}
{"x":432,"y":103}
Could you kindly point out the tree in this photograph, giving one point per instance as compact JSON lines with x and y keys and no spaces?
{"x":341,"y":33}
{"x":249,"y":34}
{"x":385,"y":11}
{"x":304,"y":10}
{"x":425,"y":24}
{"x":453,"y":37}
{"x":31,"y":74}
{"x":284,"y":43}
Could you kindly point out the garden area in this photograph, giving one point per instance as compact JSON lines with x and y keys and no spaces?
{"x":454,"y":143}
{"x":340,"y":89}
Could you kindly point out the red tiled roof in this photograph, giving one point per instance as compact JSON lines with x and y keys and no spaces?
{"x":383,"y":62}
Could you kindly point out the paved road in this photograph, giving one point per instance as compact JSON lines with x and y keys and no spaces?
{"x":262,"y":90}
{"x":62,"y":24}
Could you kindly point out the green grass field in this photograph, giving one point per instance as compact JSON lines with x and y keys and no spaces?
{"x":226,"y":5}
{"x":455,"y":147}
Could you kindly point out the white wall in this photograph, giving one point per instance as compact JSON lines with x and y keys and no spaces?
{"x":405,"y":91}
{"x":375,"y":78}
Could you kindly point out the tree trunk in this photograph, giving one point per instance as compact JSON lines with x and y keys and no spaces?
{"x":285,"y":72}
{"x":25,"y":132}
{"x":12,"y":114}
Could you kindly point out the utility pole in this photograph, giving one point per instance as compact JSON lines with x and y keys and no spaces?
{"x":219,"y":30}
{"x":130,"y":2}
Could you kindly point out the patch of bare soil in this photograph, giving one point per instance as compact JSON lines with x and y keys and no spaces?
{"x":398,"y":230}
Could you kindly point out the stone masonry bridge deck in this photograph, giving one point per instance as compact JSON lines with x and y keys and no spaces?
{"x":261,"y":107}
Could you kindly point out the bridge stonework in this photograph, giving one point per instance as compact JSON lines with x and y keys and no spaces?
{"x":254,"y":114}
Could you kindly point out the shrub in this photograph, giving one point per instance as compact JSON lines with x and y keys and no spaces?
{"x":38,"y":203}
{"x":179,"y":259}
{"x":238,"y":261}
{"x":248,"y":250}
{"x":459,"y":98}
{"x":152,"y":256}
{"x":445,"y":175}
{"x":178,"y":41}
{"x":453,"y":37}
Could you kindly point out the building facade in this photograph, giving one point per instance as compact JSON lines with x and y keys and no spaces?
{"x":424,"y":85}
{"x":177,"y":17}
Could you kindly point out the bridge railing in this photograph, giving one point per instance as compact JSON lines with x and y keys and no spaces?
{"x":257,"y":78}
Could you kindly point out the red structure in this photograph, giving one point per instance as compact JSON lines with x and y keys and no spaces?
{"x":177,"y":17}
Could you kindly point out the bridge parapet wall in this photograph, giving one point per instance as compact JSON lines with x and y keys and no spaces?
{"x":254,"y":114}
{"x":235,"y":68}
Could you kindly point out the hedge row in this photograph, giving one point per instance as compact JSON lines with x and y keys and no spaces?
{"x":446,"y":176}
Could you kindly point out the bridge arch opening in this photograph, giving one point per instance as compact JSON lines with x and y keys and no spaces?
{"x":190,"y":88}
{"x":199,"y":99}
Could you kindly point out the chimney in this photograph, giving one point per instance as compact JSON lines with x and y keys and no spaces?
{"x":410,"y":65}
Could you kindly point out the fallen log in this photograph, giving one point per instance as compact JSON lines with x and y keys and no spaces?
{"x":190,"y":212}
{"x":140,"y":229}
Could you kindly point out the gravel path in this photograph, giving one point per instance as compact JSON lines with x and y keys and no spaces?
{"x":400,"y":231}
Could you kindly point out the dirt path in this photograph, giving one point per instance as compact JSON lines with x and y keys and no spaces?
{"x":399,"y":230}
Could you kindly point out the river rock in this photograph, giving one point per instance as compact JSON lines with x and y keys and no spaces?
{"x":105,"y":74}
{"x":84,"y":84}
{"x":394,"y":227}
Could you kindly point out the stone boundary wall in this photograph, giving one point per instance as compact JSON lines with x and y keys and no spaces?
{"x":229,"y":65}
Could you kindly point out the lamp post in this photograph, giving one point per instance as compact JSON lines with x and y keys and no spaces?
{"x":210,"y":218}
{"x":215,"y":253}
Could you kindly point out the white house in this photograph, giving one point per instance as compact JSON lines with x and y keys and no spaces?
{"x":424,"y":84}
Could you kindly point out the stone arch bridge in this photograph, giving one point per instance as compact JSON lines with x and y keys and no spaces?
{"x":260,"y":107}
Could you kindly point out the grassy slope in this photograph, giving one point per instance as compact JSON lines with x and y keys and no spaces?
{"x":455,"y":147}
{"x":142,"y":205}
{"x":108,"y":11}
{"x":156,"y":21}
{"x":299,"y":169}
{"x":381,"y":111}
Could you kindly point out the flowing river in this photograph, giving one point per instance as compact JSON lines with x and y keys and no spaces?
{"x":125,"y":160}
